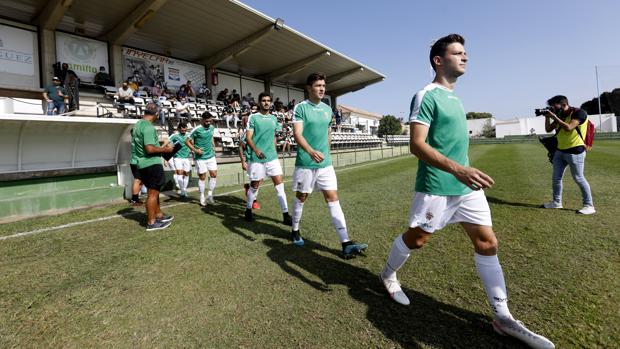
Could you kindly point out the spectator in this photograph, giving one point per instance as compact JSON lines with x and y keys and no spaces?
{"x":229,"y":116}
{"x":291,"y":105}
{"x":181,"y":92}
{"x":189,"y":90}
{"x":204,"y":91}
{"x":223,"y":96}
{"x":102,"y":78}
{"x":182,"y":109}
{"x":234,"y":97}
{"x":338,"y":117}
{"x":70,"y":81}
{"x":56,"y":97}
{"x":125,"y":93}
{"x":277,"y":105}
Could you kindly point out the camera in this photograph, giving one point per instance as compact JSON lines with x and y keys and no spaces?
{"x":542,"y":111}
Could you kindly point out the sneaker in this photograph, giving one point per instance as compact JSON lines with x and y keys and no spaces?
{"x":287,"y":219}
{"x":158,"y":225}
{"x":203,"y":201}
{"x":249,"y":216}
{"x":552,"y":204}
{"x":210,"y":200}
{"x":392,"y":286}
{"x":352,"y":248}
{"x":136,"y":203}
{"x":165,"y":218}
{"x":515,"y":328}
{"x":255,"y":205}
{"x":246,"y":187}
{"x":296,"y":238}
{"x":587,"y":210}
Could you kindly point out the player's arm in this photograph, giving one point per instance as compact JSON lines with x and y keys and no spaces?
{"x":249,"y":138}
{"x":244,"y":164}
{"x":298,"y":130}
{"x":566,"y":126}
{"x":190,"y":145}
{"x":472,"y":177}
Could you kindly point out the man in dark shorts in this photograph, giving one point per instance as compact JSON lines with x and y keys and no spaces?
{"x":145,"y":143}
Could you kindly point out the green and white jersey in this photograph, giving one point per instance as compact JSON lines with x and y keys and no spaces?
{"x":144,"y":134}
{"x":134,"y":157}
{"x":442,"y":111}
{"x":203,"y":139}
{"x":264,"y":128}
{"x":184,"y":152}
{"x":246,"y":147}
{"x":316,"y":119}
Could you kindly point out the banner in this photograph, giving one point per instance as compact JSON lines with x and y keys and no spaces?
{"x":83,"y":55}
{"x":19,"y":64}
{"x":150,"y":68}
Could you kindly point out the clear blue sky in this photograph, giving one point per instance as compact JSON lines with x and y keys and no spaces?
{"x":520,"y":52}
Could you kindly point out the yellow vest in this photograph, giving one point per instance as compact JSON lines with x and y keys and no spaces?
{"x":571,"y":139}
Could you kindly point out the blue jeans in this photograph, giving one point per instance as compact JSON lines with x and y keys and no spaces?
{"x":576,"y":163}
{"x":60,"y":106}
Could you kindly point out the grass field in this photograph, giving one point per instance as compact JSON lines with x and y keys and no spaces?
{"x":212,"y":280}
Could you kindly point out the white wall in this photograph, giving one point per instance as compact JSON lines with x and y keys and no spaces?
{"x":536,"y":125}
{"x":255,"y":87}
{"x":474,"y":127}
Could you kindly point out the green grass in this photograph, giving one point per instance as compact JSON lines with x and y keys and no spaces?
{"x":213,"y":280}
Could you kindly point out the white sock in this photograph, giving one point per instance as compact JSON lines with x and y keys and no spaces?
{"x":185,"y":183}
{"x":492,"y":277}
{"x":281,"y":197}
{"x":298,"y":208}
{"x":338,"y":219}
{"x":212,"y":182}
{"x":176,"y":181}
{"x":252,"y":195}
{"x":398,"y":256}
{"x":201,"y":187}
{"x":179,"y":181}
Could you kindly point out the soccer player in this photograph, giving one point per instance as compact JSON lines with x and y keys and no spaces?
{"x":201,"y":142}
{"x":244,"y":156}
{"x":263,"y":157}
{"x":313,"y":165}
{"x":448,"y":190}
{"x":137,"y":182}
{"x":148,"y":152}
{"x":182,"y":166}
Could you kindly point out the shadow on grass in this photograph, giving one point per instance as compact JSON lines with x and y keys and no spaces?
{"x":426,"y":322}
{"x":494,"y":200}
{"x":230,"y":210}
{"x":133,"y":214}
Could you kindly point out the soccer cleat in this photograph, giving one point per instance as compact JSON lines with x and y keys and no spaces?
{"x":515,"y":328}
{"x":286,"y":219}
{"x":203,"y":201}
{"x":587,"y":210}
{"x":392,"y":286}
{"x":296,"y":238}
{"x":351,"y":248}
{"x":158,"y":225}
{"x":249,"y":216}
{"x":255,"y":205}
{"x":552,"y":204}
{"x":210,"y":200}
{"x":165,"y":218}
{"x":136,"y":203}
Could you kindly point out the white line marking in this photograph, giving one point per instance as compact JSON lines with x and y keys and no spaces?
{"x":68,"y":225}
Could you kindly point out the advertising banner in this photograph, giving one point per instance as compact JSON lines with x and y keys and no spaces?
{"x":19,"y":65}
{"x":149,"y":69}
{"x":83,"y":55}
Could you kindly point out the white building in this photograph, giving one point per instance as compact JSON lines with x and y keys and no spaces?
{"x":361,"y":120}
{"x":475,"y":126}
{"x":536,"y":125}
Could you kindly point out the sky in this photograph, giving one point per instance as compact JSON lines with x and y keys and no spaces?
{"x":520,"y":52}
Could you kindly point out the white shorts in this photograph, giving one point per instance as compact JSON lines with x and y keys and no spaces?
{"x":203,"y":166}
{"x":433,"y":212}
{"x":171,"y":164}
{"x":260,"y":170}
{"x":307,"y":179}
{"x":182,"y":164}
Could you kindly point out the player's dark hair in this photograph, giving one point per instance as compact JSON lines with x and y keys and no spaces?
{"x":559,"y":99}
{"x":439,"y":47}
{"x":206,"y":115}
{"x":263,"y":94}
{"x":151,"y":109}
{"x":181,"y":125}
{"x":315,"y":77}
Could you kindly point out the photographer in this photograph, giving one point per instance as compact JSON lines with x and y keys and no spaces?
{"x":570,"y":126}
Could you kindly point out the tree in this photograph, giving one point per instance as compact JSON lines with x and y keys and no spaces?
{"x":389,"y":125}
{"x":476,"y":115}
{"x":488,"y":130}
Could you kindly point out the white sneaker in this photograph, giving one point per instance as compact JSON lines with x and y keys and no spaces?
{"x":587,"y":210}
{"x":392,"y":286}
{"x":203,"y":202}
{"x":552,"y":204}
{"x":210,"y":200}
{"x":515,"y":328}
